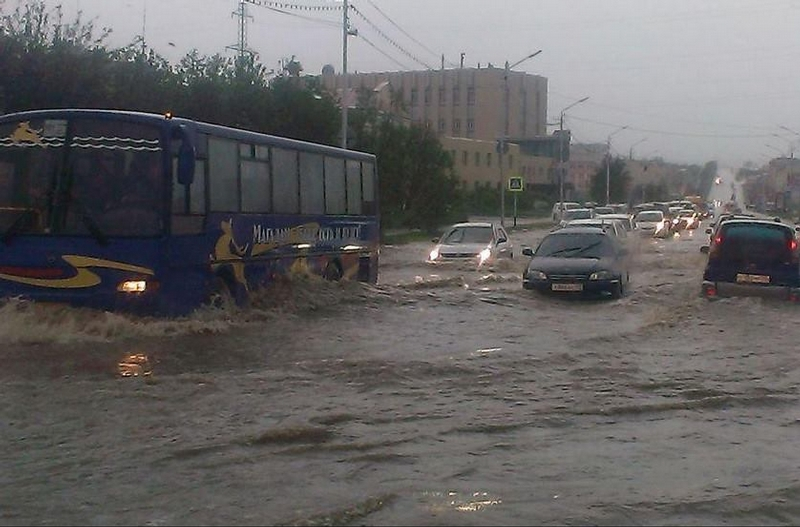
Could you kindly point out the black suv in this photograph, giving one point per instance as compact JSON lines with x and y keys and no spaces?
{"x":753,"y":252}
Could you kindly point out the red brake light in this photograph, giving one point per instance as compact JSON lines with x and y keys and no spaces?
{"x":792,"y":245}
{"x":718,"y":239}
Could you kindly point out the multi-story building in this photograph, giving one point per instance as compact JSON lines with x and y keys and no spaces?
{"x":461,"y":102}
{"x":467,"y":109}
{"x":478,"y":163}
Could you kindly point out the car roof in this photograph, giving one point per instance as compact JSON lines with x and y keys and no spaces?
{"x":593,"y":221}
{"x":473,"y":224}
{"x":579,"y":230}
{"x":614,"y":216}
{"x":777,"y":222}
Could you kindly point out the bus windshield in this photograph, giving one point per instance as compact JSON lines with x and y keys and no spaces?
{"x":81,"y":177}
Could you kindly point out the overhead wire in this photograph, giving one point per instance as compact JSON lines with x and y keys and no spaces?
{"x":389,"y":39}
{"x":420,"y":44}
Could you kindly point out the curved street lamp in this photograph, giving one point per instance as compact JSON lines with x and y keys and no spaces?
{"x":561,"y":154}
{"x":502,"y":144}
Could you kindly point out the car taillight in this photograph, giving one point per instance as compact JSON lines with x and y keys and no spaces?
{"x":792,"y":245}
{"x":794,"y":251}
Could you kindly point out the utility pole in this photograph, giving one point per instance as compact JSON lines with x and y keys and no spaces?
{"x":608,"y":163}
{"x":502,"y":144}
{"x":241,"y":44}
{"x":345,"y":78}
{"x":561,"y":156}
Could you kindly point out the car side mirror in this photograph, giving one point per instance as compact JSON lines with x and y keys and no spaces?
{"x":435,"y":240}
{"x":704,"y":249}
{"x":709,"y":231}
{"x":527,"y":251}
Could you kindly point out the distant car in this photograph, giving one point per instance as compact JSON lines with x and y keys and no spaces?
{"x":605,"y":209}
{"x":576,"y":214}
{"x":753,"y":252}
{"x":686,"y":219}
{"x":578,"y":261}
{"x":478,"y":243}
{"x":567,"y":205}
{"x":610,"y":225}
{"x":626,"y":219}
{"x":653,"y":223}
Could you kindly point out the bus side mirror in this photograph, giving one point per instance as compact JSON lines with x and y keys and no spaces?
{"x":186,"y":156}
{"x":186,"y":163}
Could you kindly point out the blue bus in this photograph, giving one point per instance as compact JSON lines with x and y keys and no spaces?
{"x":159,"y":215}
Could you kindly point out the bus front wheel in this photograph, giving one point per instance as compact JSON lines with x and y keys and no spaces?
{"x":222,"y":293}
{"x":333,"y":272}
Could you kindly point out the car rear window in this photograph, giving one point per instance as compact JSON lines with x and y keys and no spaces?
{"x":754,"y":241}
{"x":650,"y":216}
{"x":587,"y":245}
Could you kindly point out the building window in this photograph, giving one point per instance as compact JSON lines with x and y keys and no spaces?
{"x":442,"y":96}
{"x":471,"y":96}
{"x":510,"y":161}
{"x":414,"y":97}
{"x":427,"y":95}
{"x":477,"y":159}
{"x":471,"y":125}
{"x":489,"y":159}
{"x":456,"y":125}
{"x":464,"y":157}
{"x":456,"y":95}
{"x":442,"y":125}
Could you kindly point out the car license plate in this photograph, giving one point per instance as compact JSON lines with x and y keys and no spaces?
{"x":752,"y":278}
{"x":567,"y":287}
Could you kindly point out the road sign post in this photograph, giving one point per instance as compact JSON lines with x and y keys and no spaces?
{"x":515,"y":185}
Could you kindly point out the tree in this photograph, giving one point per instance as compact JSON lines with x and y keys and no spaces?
{"x":619,"y":182}
{"x":418,"y":186}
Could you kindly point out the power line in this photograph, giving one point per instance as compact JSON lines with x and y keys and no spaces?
{"x":423,"y":46}
{"x":388,"y":39}
{"x":362,"y":37}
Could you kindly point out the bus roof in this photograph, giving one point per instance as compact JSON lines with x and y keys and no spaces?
{"x":198,"y":126}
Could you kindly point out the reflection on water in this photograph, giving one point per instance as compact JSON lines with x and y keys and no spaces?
{"x":452,"y":500}
{"x":134,"y":365}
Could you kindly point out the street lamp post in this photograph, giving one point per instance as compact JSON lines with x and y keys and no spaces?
{"x":561,"y":156}
{"x":630,"y":152}
{"x":502,"y":144}
{"x":608,"y":162}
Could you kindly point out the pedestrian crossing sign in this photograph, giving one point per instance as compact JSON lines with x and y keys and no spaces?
{"x":515,"y":184}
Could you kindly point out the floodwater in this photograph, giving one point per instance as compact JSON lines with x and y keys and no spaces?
{"x":436,"y":397}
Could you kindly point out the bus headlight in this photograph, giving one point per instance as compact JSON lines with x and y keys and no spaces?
{"x":134,"y":286}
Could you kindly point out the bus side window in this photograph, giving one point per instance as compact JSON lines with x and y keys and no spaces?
{"x":189,"y":221}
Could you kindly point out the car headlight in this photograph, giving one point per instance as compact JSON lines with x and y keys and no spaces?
{"x":484,"y":255}
{"x":601,"y":275}
{"x":536,"y":275}
{"x":434,"y":255}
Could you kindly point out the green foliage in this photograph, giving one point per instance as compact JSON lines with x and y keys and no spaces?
{"x":48,"y":63}
{"x":619,"y":181}
{"x":418,"y":186}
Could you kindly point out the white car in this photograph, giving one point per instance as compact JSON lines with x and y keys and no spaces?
{"x":610,"y":225}
{"x":626,"y":219}
{"x":479,"y":243}
{"x":653,"y":223}
{"x":558,"y":210}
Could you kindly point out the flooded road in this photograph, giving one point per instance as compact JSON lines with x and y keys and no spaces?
{"x":437,"y":397}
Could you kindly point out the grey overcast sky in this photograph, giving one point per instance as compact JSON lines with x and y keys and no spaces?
{"x":692,"y":80}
